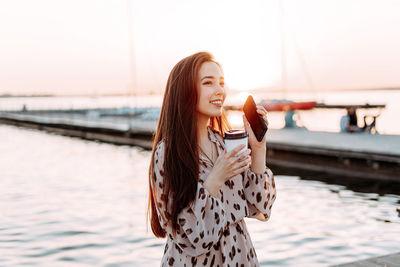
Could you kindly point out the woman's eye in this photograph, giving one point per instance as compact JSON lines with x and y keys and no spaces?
{"x":206,"y":83}
{"x":222,"y":84}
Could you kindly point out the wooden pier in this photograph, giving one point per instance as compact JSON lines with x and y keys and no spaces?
{"x":120,"y":130}
{"x":362,"y":156}
{"x":290,"y":151}
{"x":391,"y":260}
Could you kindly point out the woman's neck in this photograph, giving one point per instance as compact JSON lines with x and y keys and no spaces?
{"x":202,"y":132}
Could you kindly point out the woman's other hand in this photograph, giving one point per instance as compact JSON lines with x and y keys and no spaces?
{"x":227,"y":165}
{"x":254,"y":144}
{"x":259,"y":149}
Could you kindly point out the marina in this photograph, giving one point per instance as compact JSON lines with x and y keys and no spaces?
{"x":82,"y":87}
{"x":290,"y":151}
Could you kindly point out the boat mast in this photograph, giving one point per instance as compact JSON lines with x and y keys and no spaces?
{"x":132,"y":84}
{"x":283,"y":50}
{"x":283,"y":29}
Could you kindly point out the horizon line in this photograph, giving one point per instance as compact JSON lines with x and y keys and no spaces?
{"x":255,"y":90}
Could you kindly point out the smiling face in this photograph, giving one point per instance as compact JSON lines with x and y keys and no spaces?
{"x":211,"y":90}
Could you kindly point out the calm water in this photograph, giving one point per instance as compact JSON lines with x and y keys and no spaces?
{"x":71,"y":202}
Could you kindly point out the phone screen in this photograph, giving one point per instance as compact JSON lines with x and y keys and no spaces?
{"x":256,"y":121}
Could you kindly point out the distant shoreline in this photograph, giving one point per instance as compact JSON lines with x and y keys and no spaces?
{"x":325,"y":90}
{"x":48,"y":95}
{"x":15,"y":96}
{"x":256,"y":90}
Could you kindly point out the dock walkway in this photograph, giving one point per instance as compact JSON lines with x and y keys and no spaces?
{"x":361,"y":156}
{"x":356,"y":142}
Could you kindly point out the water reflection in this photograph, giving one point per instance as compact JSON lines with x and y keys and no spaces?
{"x":66,"y":201}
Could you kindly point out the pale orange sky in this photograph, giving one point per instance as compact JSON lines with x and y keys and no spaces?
{"x":82,"y":46}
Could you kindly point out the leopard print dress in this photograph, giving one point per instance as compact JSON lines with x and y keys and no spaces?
{"x":212,"y":231}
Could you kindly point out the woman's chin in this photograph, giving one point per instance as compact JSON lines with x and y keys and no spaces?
{"x":216,"y":114}
{"x":211,"y":112}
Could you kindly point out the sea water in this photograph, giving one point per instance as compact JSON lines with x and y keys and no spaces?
{"x":71,"y":202}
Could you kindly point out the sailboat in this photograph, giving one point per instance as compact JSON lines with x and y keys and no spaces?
{"x":284,"y":104}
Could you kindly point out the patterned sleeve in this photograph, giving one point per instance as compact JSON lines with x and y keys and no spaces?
{"x":260,"y":193}
{"x":200,"y":225}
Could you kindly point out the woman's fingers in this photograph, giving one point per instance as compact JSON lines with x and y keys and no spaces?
{"x":241,"y":169}
{"x":263,"y":112}
{"x":247,"y":127}
{"x":244,"y":154}
{"x":266,"y":121}
{"x":261,"y":109}
{"x":234,"y":151}
{"x":236,"y":161}
{"x":238,"y":166}
{"x":240,"y":163}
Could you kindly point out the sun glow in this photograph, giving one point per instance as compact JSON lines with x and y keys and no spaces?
{"x":89,"y":48}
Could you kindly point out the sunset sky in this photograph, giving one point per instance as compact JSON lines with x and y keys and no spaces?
{"x":82,"y":46}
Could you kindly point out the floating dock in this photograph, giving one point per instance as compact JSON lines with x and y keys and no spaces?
{"x":290,"y":151}
{"x":358,"y":155}
{"x":391,"y":260}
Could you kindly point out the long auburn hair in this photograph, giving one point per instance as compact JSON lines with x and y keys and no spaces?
{"x":177,"y":128}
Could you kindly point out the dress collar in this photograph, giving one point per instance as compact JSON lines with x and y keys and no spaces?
{"x":211,"y":135}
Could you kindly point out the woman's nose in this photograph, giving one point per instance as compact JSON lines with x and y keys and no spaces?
{"x":220,"y":89}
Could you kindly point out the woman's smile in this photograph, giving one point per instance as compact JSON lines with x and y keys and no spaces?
{"x":217,"y":103}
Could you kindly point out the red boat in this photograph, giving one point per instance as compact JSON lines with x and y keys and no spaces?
{"x":279,"y":105}
{"x":284,"y":105}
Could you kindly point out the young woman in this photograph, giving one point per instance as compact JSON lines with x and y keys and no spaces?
{"x":199,"y":193}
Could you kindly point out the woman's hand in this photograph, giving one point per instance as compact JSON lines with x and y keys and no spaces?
{"x":254,"y":144}
{"x":227,"y":165}
{"x":259,"y":149}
